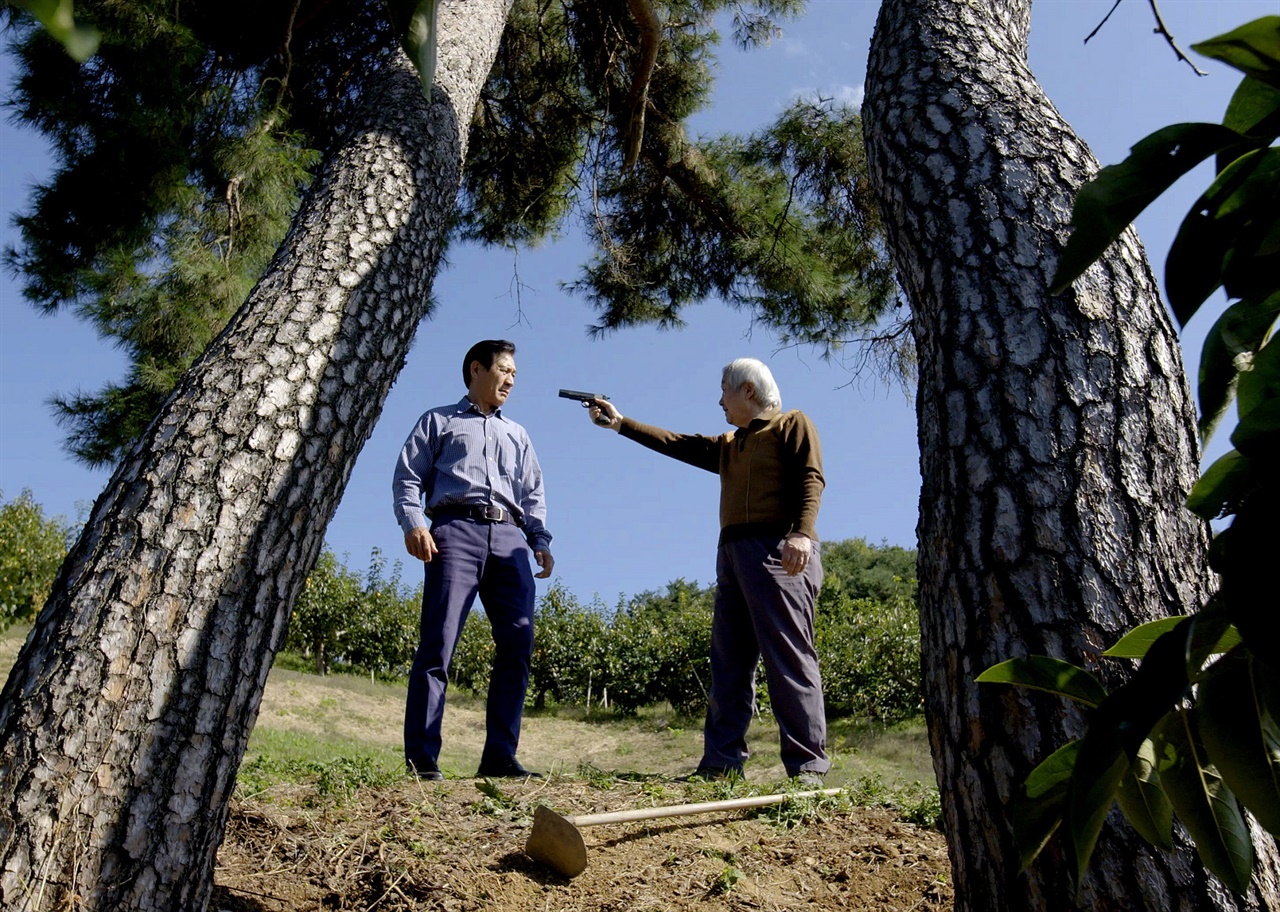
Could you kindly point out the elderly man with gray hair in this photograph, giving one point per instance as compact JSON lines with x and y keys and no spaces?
{"x":768,"y":568}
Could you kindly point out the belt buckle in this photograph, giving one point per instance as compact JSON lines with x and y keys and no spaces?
{"x":494,"y":513}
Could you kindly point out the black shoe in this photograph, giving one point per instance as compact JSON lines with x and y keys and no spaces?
{"x":425,"y":769}
{"x":809,"y":779}
{"x":504,"y":769}
{"x":713,"y":774}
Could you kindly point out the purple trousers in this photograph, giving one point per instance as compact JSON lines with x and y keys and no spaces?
{"x":761,"y":613}
{"x":490,"y":560}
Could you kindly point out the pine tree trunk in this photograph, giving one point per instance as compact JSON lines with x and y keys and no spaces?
{"x":1057,"y":441}
{"x":125,"y":719}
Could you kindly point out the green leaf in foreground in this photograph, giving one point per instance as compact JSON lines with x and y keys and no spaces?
{"x":1044,"y":673}
{"x":1106,"y":205}
{"x":1258,"y":433}
{"x":1211,"y":634}
{"x":1254,"y":109}
{"x":1222,"y":486}
{"x":1116,"y":733}
{"x":1202,"y":801}
{"x":1254,"y":49}
{"x":1261,"y":383}
{"x":1238,"y":333}
{"x":1143,"y":800}
{"x":1193,"y":269}
{"x":415,"y":21}
{"x":80,"y":41}
{"x":1229,"y":236}
{"x":1241,"y":736}
{"x":1038,"y":809}
{"x":1245,"y":207}
{"x":1100,"y":768}
{"x":1135,"y":643}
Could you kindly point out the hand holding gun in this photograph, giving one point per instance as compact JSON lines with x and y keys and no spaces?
{"x":589,"y":400}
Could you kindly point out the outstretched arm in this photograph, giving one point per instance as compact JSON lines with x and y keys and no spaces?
{"x":696,"y":450}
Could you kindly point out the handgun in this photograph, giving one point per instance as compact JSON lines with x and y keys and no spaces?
{"x":579,"y":396}
{"x":586,"y":399}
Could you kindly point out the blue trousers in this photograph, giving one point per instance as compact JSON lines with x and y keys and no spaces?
{"x":761,"y":613}
{"x":490,"y":560}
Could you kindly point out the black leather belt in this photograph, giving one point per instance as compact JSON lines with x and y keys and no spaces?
{"x":479,"y":512}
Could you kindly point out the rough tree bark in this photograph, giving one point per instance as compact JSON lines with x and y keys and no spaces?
{"x":1057,"y":440}
{"x":124,"y":721}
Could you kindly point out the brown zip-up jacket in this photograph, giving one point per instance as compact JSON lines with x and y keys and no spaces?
{"x":770,"y":471}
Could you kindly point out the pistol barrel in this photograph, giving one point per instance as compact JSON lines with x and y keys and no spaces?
{"x":580,"y":396}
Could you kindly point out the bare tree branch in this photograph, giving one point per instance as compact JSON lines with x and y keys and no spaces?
{"x":1168,"y":36}
{"x":1099,"y":26}
{"x":646,"y":59}
{"x":1160,"y":29}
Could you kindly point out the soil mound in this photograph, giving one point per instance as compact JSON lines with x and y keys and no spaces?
{"x":458,"y":845}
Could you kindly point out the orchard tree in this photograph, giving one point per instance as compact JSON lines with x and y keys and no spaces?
{"x":1058,"y":444}
{"x":328,"y":605}
{"x":32,"y":547}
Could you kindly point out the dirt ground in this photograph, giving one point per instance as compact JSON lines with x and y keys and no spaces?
{"x":452,"y":846}
{"x":458,"y":845}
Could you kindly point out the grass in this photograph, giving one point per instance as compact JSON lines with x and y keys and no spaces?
{"x":342,"y":733}
{"x":896,"y":751}
{"x":11,"y":640}
{"x":292,"y":749}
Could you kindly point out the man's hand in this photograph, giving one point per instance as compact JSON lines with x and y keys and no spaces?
{"x":604,"y":415}
{"x":545,"y":561}
{"x":795,"y":553}
{"x":420,"y":544}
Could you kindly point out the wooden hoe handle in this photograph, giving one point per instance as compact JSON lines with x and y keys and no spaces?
{"x":679,"y":810}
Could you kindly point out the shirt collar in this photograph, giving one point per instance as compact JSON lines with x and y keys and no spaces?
{"x":466,"y":405}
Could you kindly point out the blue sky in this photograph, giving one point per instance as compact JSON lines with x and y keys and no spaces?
{"x":624,"y":519}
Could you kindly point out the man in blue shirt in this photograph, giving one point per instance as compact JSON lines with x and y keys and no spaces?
{"x":474,"y":473}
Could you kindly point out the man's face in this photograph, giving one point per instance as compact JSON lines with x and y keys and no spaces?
{"x":490,"y":386}
{"x":738,"y":404}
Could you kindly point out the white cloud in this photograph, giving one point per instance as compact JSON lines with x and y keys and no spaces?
{"x":793,"y":47}
{"x":843,"y":94}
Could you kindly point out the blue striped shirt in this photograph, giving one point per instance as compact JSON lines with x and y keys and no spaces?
{"x":455,"y":455}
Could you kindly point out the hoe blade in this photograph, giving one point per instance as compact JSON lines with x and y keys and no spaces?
{"x":556,"y":843}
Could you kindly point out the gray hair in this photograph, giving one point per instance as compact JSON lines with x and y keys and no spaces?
{"x":749,"y":370}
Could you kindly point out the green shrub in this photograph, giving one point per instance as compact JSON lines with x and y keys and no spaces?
{"x":330,"y":598}
{"x":32,"y":549}
{"x":569,"y":648}
{"x":342,"y":622}
{"x":383,"y":634}
{"x":631,"y":664}
{"x":655,"y":648}
{"x":870,"y":655}
{"x":862,"y":571}
{"x":659,"y":649}
{"x":473,"y":656}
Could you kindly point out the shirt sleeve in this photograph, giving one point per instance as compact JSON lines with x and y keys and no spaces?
{"x":412,"y":473}
{"x":533,"y":500}
{"x":695,"y":449}
{"x":806,"y":451}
